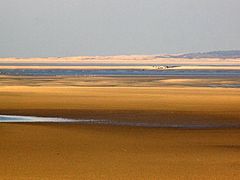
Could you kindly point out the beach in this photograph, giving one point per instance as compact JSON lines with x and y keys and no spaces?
{"x":52,"y":151}
{"x":152,"y":127}
{"x":71,"y":151}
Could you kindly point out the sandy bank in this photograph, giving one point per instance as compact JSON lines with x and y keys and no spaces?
{"x":127,"y":103}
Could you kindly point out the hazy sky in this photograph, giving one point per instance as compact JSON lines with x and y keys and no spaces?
{"x":40,"y":28}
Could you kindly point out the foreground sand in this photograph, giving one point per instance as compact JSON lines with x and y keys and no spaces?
{"x":45,"y":151}
{"x":57,"y":151}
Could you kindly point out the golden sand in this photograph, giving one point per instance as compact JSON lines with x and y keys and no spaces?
{"x":129,"y":67}
{"x":57,"y":151}
{"x":137,"y":59}
{"x":45,"y":151}
{"x":205,"y":105}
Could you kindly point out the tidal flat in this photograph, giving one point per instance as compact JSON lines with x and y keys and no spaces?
{"x":121,"y":149}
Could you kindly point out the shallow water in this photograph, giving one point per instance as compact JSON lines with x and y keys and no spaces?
{"x":119,"y":72}
{"x":33,"y":119}
{"x":7,"y":118}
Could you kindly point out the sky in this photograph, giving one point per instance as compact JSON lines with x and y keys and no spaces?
{"x":44,"y":28}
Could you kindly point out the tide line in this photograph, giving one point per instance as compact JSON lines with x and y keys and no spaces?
{"x":33,"y":119}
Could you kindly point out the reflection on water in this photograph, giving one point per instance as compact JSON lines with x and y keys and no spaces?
{"x":7,"y":118}
{"x":32,"y":119}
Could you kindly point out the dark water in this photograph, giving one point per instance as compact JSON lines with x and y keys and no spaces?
{"x":119,"y":72}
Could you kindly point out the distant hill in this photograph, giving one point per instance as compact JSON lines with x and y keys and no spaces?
{"x":212,"y":54}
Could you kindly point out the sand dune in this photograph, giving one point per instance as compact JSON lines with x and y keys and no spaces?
{"x":124,"y":59}
{"x":79,"y":67}
{"x":129,"y":67}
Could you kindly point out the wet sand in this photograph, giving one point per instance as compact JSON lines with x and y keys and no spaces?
{"x":119,"y":81}
{"x":72,"y":151}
